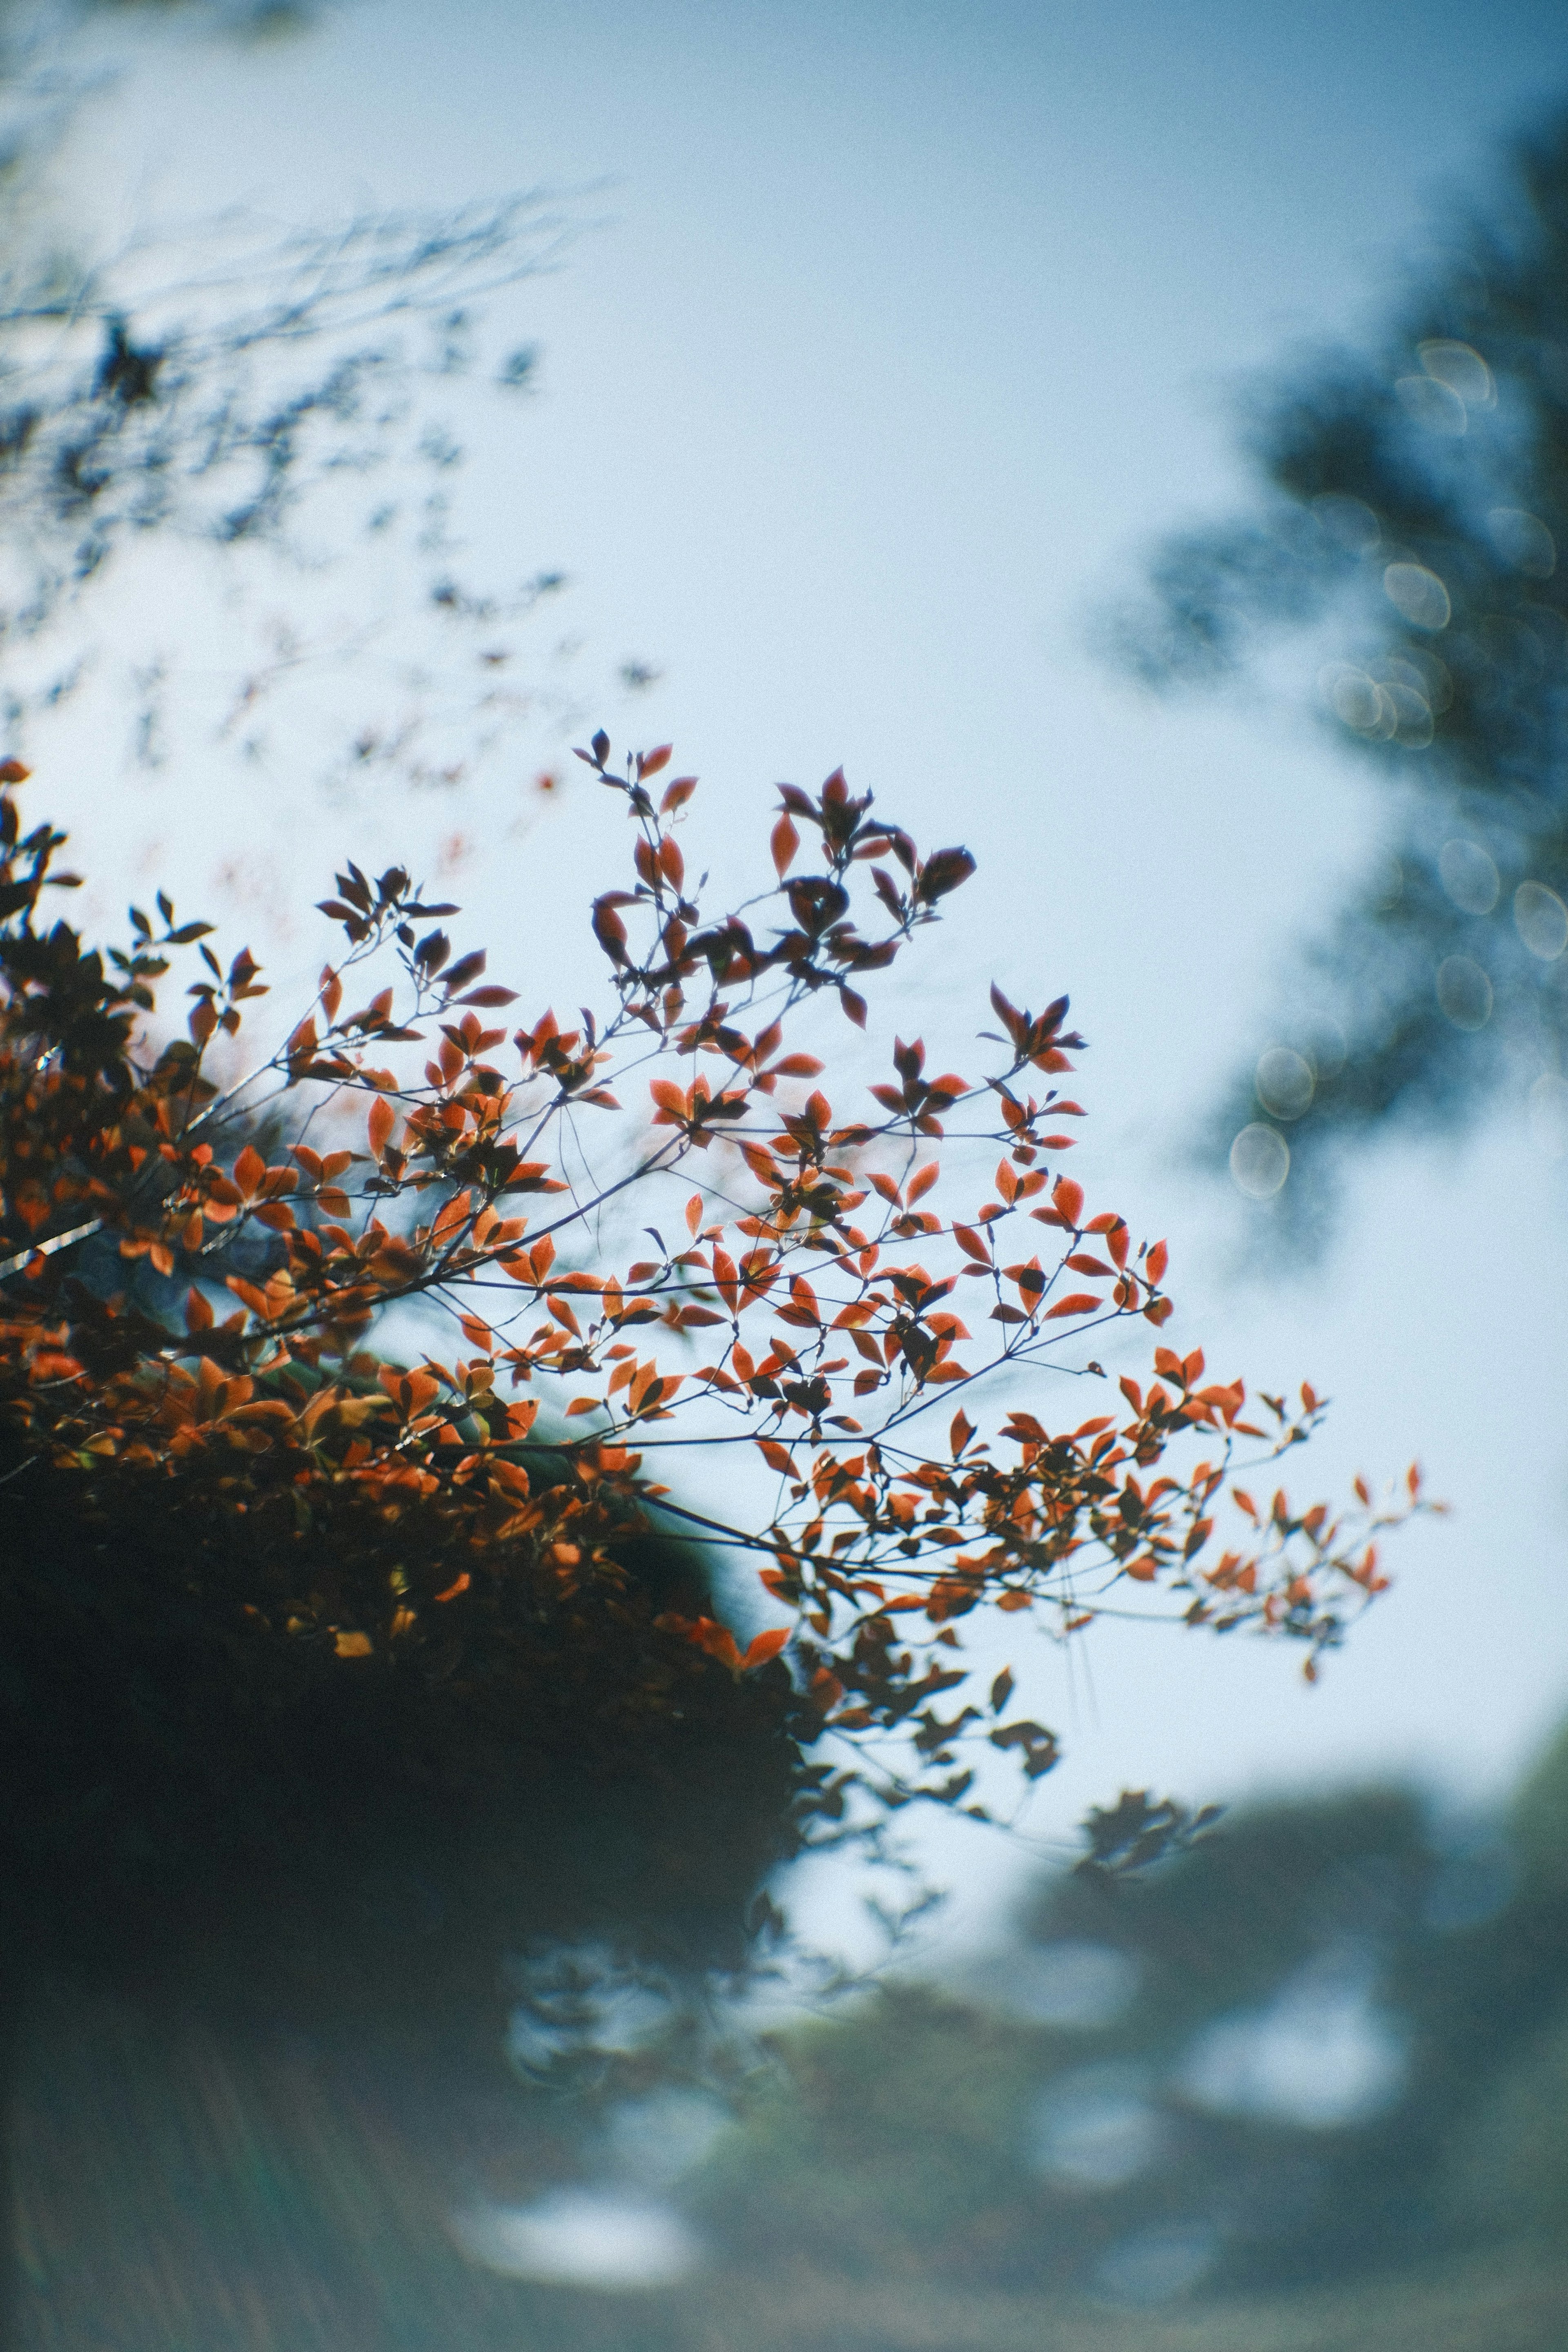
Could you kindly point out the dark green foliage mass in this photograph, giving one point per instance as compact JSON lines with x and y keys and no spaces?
{"x":195,"y":1813}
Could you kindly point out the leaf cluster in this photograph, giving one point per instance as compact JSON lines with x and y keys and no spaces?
{"x":463,"y":1519}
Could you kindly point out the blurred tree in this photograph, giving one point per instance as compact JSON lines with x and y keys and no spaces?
{"x":1415,"y":502}
{"x":1327,"y":2040}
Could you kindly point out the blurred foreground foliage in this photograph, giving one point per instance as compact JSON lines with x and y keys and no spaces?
{"x":1329,"y":2042}
{"x":1047,"y":2154}
{"x":1410,"y":537}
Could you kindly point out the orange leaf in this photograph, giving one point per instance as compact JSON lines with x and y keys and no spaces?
{"x":784,"y":845}
{"x":383,"y":1118}
{"x":921,"y":1182}
{"x":1068,"y":1199}
{"x":452,"y":1590}
{"x":766,"y":1645}
{"x":1080,"y":1303}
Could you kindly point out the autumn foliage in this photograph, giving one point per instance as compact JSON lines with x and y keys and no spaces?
{"x":196,"y":1268}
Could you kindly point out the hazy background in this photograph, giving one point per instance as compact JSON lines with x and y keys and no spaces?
{"x":892,"y":337}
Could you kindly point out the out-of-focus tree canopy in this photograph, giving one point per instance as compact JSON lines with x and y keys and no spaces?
{"x":232,"y":458}
{"x":1327,"y":2041}
{"x":1409,"y":534}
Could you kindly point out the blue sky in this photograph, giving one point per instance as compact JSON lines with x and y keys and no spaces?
{"x":901,"y":332}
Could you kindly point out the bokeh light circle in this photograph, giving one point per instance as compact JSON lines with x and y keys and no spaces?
{"x":1417,"y":595}
{"x":1465,"y":992}
{"x":1469,"y":876}
{"x":1540,"y":919}
{"x":1260,"y":1161}
{"x":1285,"y":1082}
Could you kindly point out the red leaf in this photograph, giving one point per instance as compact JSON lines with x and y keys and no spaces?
{"x":765,"y":1646}
{"x":383,"y":1118}
{"x":784,"y":845}
{"x":1068,"y":1199}
{"x":1080,"y":1303}
{"x":249,"y":1171}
